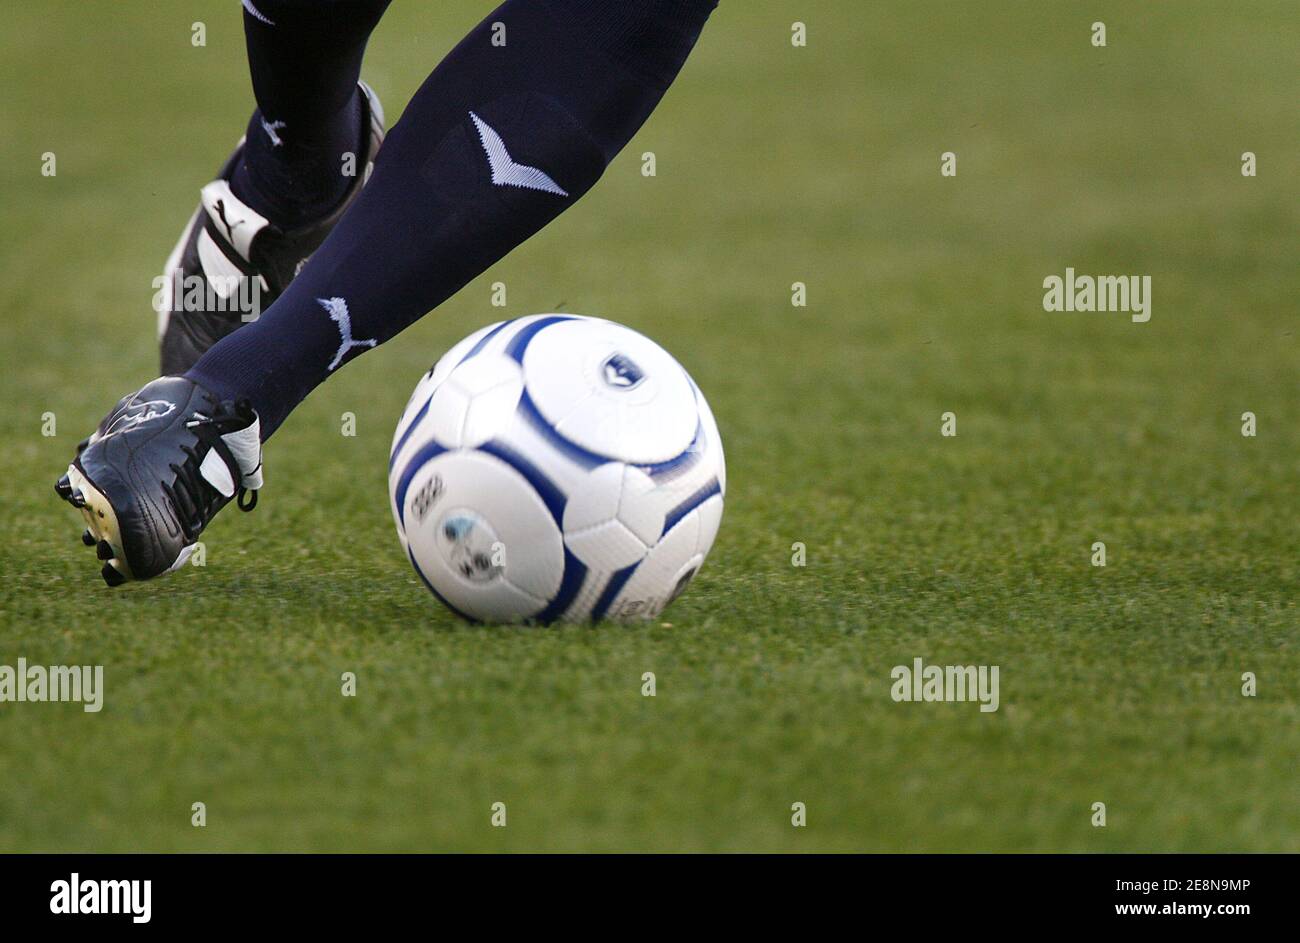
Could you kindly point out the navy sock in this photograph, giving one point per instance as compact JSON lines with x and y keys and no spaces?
{"x":498,"y":141}
{"x":304,"y":57}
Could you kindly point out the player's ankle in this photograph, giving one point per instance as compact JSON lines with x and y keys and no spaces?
{"x":294,"y":182}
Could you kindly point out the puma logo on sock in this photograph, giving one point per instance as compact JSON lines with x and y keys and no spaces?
{"x":338,"y":312}
{"x":270,"y":128}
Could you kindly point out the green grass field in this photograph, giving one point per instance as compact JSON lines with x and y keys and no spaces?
{"x":775,"y":164}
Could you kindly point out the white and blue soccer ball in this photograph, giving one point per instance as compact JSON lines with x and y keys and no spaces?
{"x":557,"y":468}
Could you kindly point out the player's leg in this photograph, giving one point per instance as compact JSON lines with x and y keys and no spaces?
{"x":309,"y":143}
{"x":509,"y":131}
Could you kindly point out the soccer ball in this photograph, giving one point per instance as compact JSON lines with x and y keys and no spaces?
{"x":556,"y":467}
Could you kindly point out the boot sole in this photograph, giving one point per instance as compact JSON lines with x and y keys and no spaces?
{"x":101,"y":521}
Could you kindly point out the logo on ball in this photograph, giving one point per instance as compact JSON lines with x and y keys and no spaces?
{"x":621,"y":373}
{"x":469,"y":546}
{"x":424,"y":498}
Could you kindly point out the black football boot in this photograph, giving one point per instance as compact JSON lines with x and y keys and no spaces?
{"x":159,"y":467}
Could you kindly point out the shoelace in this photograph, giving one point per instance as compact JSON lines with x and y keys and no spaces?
{"x":201,"y":499}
